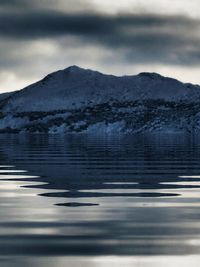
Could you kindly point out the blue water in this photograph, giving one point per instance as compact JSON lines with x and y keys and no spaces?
{"x":80,"y":200}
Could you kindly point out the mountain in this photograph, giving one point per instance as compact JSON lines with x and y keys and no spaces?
{"x":82,"y":100}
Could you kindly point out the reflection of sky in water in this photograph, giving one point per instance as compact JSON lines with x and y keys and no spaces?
{"x":115,"y":261}
{"x":99,"y":197}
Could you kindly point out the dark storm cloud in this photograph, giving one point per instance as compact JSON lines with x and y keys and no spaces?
{"x":10,"y":2}
{"x":10,"y":5}
{"x":144,"y":37}
{"x":41,"y":24}
{"x":13,"y":4}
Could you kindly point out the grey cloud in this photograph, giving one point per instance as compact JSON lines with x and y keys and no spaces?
{"x":12,"y":2}
{"x":52,"y":23}
{"x":142,"y":37}
{"x":40,"y":36}
{"x":37,"y":5}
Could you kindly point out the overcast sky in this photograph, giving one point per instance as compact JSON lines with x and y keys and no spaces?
{"x":118,"y":37}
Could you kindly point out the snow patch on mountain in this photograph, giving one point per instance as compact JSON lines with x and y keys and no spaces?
{"x":75,"y":87}
{"x":79,"y":100}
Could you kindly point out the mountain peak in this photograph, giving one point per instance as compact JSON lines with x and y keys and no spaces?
{"x":76,"y":99}
{"x":150,"y":75}
{"x":79,"y":70}
{"x":74,"y":68}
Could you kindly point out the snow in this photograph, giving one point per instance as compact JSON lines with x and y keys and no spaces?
{"x":5,"y":95}
{"x":11,"y":122}
{"x":75,"y":87}
{"x":58,"y":129}
{"x":103,"y":128}
{"x":80,"y":100}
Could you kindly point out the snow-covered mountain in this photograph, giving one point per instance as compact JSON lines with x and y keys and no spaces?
{"x":80,"y":100}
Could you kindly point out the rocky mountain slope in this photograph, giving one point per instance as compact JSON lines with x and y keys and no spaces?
{"x":80,"y":100}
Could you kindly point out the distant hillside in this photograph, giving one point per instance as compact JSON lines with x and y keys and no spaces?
{"x":79,"y":100}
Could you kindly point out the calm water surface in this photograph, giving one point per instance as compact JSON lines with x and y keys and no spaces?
{"x":89,"y":201}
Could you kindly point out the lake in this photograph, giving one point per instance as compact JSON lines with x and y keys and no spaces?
{"x":80,"y":200}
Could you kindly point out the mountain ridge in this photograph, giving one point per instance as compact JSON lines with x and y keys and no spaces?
{"x":77,"y":100}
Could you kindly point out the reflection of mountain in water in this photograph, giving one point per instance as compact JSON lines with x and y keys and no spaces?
{"x":122,"y":195}
{"x":127,"y":166}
